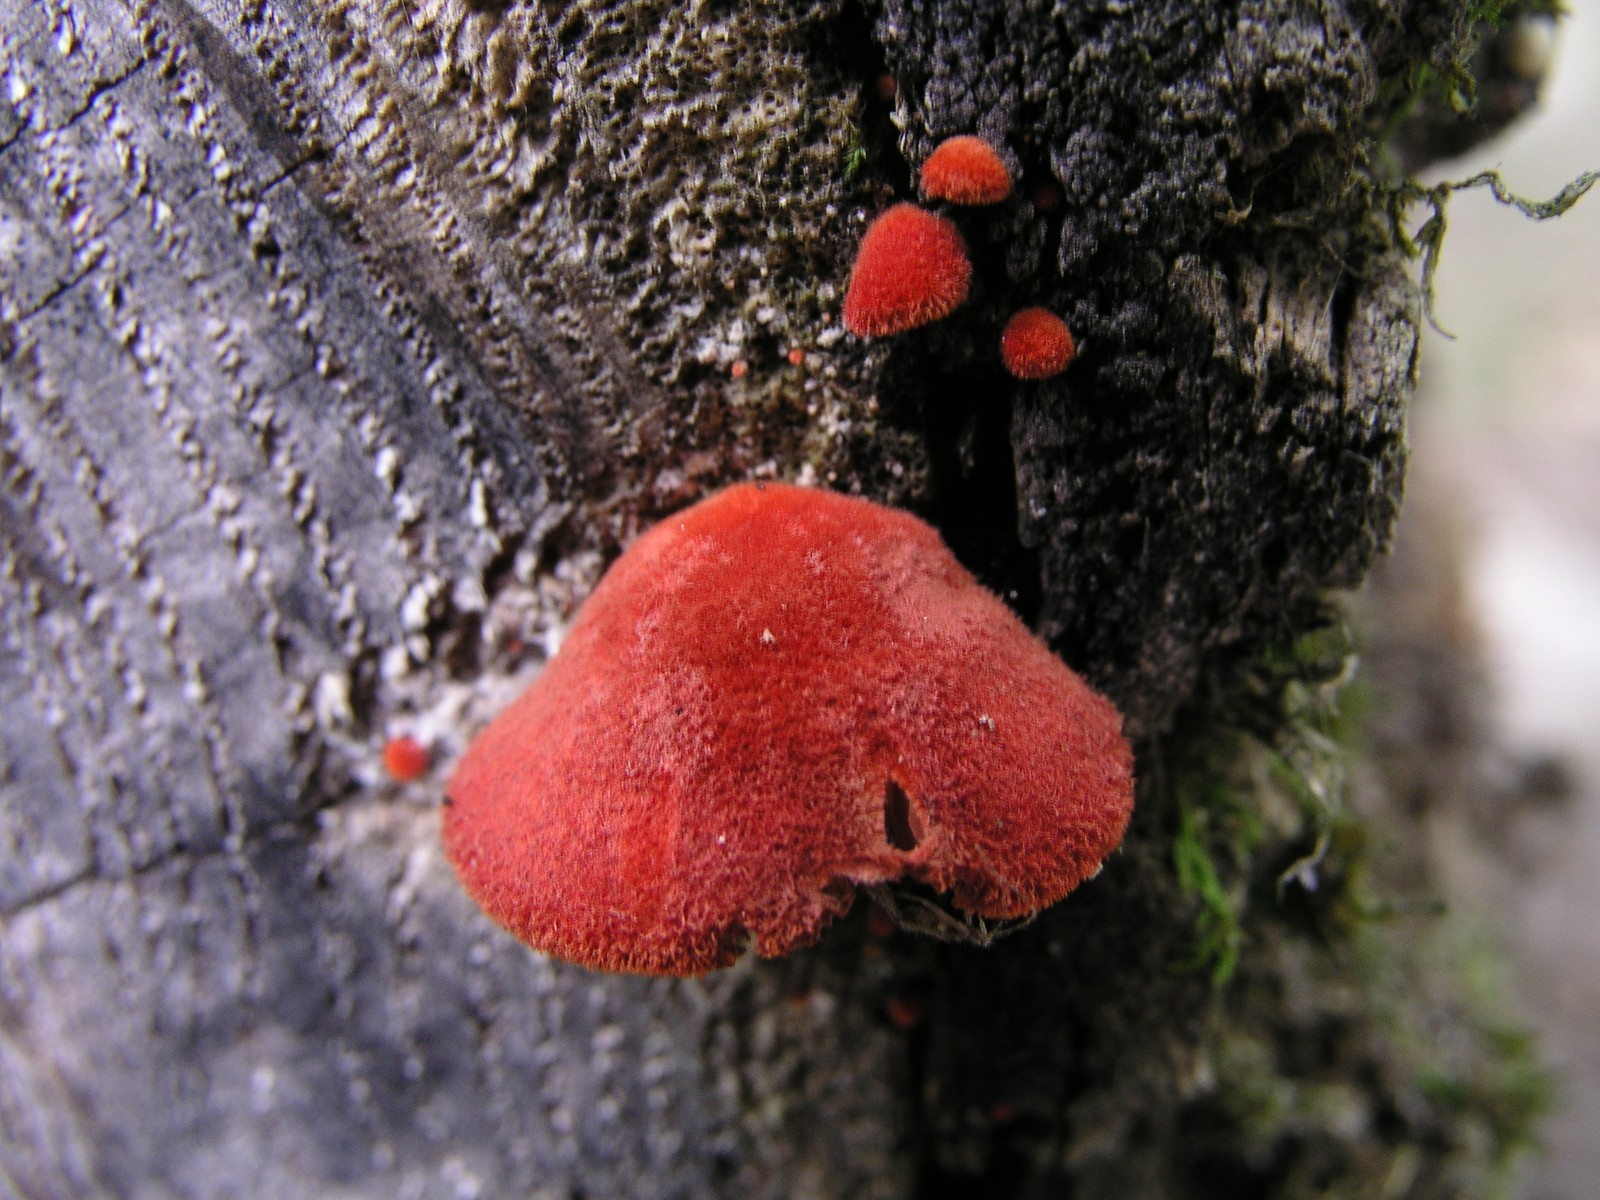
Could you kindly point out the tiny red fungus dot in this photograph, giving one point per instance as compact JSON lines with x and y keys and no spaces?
{"x":405,"y":758}
{"x":1036,"y":344}
{"x":675,"y":786}
{"x":796,"y":356}
{"x":966,"y":170}
{"x":911,"y":269}
{"x":1047,"y":196}
{"x":739,"y":368}
{"x":904,"y":1013}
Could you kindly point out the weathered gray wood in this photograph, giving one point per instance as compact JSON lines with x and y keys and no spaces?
{"x":259,"y":482}
{"x":339,"y":347}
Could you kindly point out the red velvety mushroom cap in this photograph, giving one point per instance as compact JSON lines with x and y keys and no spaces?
{"x":1036,"y":344}
{"x":774,"y":696}
{"x":966,"y":170}
{"x":911,"y":269}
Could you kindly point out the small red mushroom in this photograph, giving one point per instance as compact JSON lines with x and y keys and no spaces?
{"x":1047,"y":196}
{"x":966,"y":170}
{"x":904,"y":1012}
{"x":1036,"y":344}
{"x":774,"y":696}
{"x":911,"y":269}
{"x":405,"y":758}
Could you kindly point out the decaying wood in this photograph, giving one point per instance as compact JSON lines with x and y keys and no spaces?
{"x":341,"y":345}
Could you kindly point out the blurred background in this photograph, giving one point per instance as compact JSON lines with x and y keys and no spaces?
{"x":1502,"y":532}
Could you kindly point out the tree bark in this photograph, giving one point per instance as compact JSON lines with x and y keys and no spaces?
{"x":342,"y":345}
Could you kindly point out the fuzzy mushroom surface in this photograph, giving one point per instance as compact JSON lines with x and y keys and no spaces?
{"x":911,"y":269}
{"x":774,"y":697}
{"x":966,"y":170}
{"x":1036,"y":344}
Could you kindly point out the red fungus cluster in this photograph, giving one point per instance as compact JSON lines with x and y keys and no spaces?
{"x":912,"y":266}
{"x":773,"y":697}
{"x":780,"y":695}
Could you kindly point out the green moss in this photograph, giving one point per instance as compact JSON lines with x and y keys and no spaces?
{"x":854,"y":159}
{"x":1504,"y":1090}
{"x":1488,"y":12}
{"x":1279,"y":779}
{"x":1428,"y":241}
{"x":1449,"y":85}
{"x":1356,"y":1049}
{"x":1201,"y":825}
{"x":1441,"y":86}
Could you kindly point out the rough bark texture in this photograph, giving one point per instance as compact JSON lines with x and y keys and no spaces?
{"x":341,"y":345}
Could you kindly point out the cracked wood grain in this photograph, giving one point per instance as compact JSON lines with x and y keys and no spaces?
{"x":248,"y":491}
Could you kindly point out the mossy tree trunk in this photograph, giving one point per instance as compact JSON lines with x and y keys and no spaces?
{"x":342,"y":344}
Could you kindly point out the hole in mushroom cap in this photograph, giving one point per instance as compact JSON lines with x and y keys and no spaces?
{"x":902,"y":828}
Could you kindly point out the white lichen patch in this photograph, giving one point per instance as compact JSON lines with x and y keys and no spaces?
{"x":330,"y":700}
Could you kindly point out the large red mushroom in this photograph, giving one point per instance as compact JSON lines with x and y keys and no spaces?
{"x":774,"y":697}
